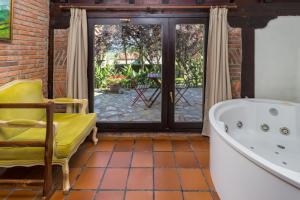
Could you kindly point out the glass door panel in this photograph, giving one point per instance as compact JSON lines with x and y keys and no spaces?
{"x":127,"y":72}
{"x":189,"y":72}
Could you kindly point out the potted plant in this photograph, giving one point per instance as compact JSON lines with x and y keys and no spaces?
{"x":114,"y":83}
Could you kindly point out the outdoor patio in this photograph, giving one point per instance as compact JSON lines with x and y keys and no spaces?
{"x":118,"y":107}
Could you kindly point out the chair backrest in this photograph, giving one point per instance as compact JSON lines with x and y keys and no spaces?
{"x":20,"y":91}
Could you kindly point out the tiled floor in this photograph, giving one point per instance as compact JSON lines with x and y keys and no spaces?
{"x":147,"y":168}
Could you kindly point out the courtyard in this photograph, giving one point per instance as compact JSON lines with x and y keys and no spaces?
{"x":118,"y":107}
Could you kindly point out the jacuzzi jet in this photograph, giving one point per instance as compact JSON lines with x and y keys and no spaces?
{"x":265,"y":127}
{"x":239,"y":124}
{"x":273,"y":111}
{"x":280,"y":146}
{"x":277,"y":152}
{"x":284,"y":131}
{"x":284,"y":163}
{"x":226,"y":128}
{"x":251,"y":147}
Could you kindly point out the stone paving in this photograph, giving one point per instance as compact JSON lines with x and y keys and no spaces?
{"x":118,"y":107}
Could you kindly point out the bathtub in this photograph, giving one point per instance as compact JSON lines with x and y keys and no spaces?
{"x":255,"y":149}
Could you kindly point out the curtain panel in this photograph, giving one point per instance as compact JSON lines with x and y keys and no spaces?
{"x":218,"y":86}
{"x":77,"y":55}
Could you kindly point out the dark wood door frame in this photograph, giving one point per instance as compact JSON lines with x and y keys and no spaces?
{"x":168,"y":52}
{"x":136,"y":126}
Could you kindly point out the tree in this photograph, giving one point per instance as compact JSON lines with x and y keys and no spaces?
{"x":105,"y":39}
{"x":190,"y":52}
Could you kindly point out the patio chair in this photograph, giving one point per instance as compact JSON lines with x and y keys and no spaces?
{"x":140,"y":90}
{"x":182,"y":86}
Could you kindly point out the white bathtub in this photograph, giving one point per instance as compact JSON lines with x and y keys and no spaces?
{"x":249,"y":163}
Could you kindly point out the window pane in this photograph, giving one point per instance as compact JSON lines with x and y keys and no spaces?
{"x":189,"y":63}
{"x":127,"y":62}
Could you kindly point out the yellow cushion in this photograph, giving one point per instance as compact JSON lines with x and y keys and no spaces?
{"x":25,"y":91}
{"x":72,"y":129}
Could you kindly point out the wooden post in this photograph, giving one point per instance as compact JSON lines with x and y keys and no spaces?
{"x":47,"y":189}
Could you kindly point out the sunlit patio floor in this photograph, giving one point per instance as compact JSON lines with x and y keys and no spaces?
{"x":118,"y":107}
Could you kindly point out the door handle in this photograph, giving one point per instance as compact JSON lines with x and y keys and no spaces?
{"x":171,"y":97}
{"x":125,"y":20}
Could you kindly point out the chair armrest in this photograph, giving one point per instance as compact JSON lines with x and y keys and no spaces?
{"x":83,"y":103}
{"x":49,"y":125}
{"x":25,"y":123}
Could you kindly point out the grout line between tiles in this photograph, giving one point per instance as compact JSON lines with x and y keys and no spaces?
{"x":104,"y":172}
{"x":178,"y":176}
{"x":129,"y":169}
{"x":153,"y":170}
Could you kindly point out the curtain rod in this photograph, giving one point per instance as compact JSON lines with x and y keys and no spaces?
{"x":142,"y":7}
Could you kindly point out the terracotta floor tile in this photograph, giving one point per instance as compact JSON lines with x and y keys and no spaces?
{"x":142,"y":159}
{"x":80,"y":195}
{"x":74,"y":173}
{"x":99,"y":159}
{"x":203,"y":158}
{"x":197,"y":196}
{"x":140,"y":179}
{"x":124,"y":145}
{"x":87,"y":146}
{"x":115,"y":178}
{"x":105,"y":145}
{"x":80,"y":159}
{"x":139,"y":195}
{"x":89,"y":178}
{"x":207,"y":176}
{"x":215,"y":196}
{"x":167,"y":195}
{"x":110,"y":195}
{"x":58,"y":195}
{"x":22,"y":195}
{"x":192,"y":179}
{"x":143,"y":145}
{"x":4,"y":193}
{"x":182,"y":146}
{"x":186,"y":160}
{"x":164,"y":159}
{"x":166,"y":179}
{"x":202,"y":145}
{"x":120,"y":159}
{"x":162,"y":145}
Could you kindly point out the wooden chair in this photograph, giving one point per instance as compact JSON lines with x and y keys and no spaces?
{"x":37,"y":135}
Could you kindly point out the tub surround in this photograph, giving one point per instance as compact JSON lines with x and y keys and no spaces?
{"x":251,"y":147}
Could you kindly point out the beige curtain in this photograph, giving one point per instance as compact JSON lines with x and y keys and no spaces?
{"x":218,"y":87}
{"x":77,"y":55}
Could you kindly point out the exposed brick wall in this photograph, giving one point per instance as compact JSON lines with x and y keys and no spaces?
{"x":26,"y":57}
{"x":235,"y":60}
{"x":60,"y":62}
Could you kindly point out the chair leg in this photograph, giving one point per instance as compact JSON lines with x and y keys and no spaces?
{"x":66,"y":178}
{"x":94,"y":135}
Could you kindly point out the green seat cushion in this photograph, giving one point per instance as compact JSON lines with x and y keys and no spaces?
{"x":72,"y":129}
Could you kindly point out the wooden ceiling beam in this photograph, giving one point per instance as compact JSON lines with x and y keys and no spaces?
{"x":142,"y":7}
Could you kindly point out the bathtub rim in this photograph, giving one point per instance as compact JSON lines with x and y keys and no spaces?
{"x":287,"y":175}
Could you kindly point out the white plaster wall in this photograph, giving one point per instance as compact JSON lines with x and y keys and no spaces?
{"x":277,"y":59}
